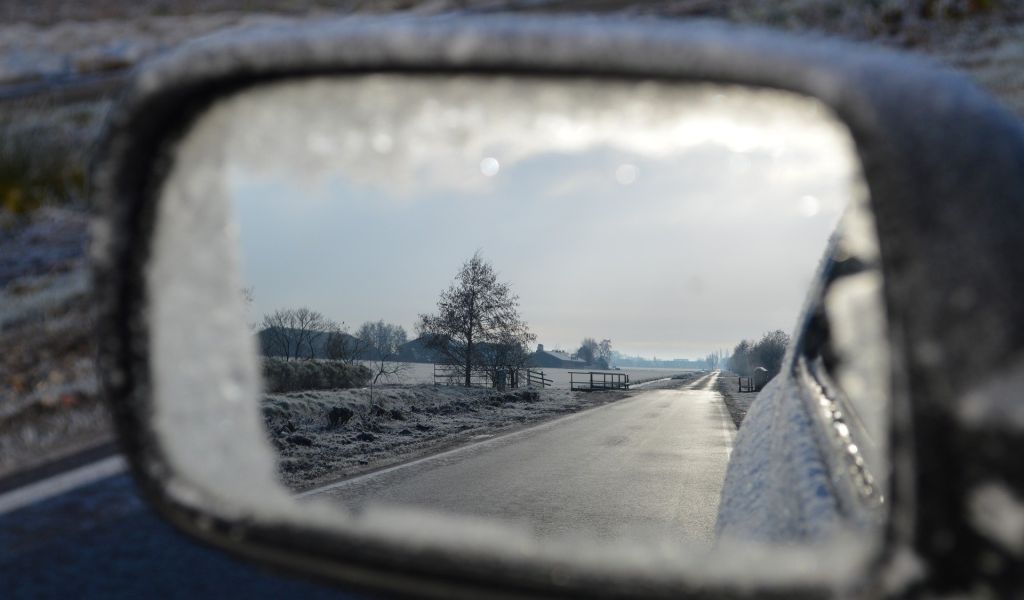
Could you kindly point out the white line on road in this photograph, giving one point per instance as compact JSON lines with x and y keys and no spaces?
{"x":59,"y":484}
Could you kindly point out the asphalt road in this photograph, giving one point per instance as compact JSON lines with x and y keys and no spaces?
{"x":84,"y":532}
{"x":650,"y":465}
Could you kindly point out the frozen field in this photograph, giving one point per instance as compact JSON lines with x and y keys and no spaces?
{"x":420,"y":373}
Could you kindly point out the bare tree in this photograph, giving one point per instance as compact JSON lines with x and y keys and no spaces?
{"x":504,"y":358}
{"x":770,"y":350}
{"x":740,"y":361}
{"x":595,"y":354}
{"x":604,"y":353}
{"x":341,"y":346}
{"x":295,"y":332}
{"x":311,"y":328}
{"x":767,"y":352}
{"x":475,"y":312}
{"x":382,"y":341}
{"x":588,"y":350}
{"x":275,"y":334}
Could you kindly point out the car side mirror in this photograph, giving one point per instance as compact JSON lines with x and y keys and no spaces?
{"x":899,"y":379}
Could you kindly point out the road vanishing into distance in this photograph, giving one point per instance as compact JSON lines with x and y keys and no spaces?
{"x":649,"y":465}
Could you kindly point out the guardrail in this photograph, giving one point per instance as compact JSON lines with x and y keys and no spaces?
{"x":597,"y":380}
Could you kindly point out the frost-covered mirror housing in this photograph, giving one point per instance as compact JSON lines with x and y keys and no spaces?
{"x":941,"y":165}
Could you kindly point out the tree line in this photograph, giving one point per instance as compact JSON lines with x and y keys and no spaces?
{"x":476,"y":328}
{"x":767,"y":352}
{"x":303,"y":333}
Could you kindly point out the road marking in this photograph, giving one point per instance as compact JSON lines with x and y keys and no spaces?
{"x":62,"y":483}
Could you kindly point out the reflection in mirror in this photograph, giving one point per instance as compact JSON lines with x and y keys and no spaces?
{"x":549,"y":303}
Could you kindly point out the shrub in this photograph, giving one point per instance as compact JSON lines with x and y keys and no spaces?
{"x":281,"y":375}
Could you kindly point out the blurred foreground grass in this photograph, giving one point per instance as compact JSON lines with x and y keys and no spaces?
{"x":45,"y":154}
{"x":33,"y":174}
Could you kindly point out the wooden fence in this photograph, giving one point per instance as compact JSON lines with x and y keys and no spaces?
{"x":455,"y":375}
{"x":597,"y":380}
{"x":530,"y":378}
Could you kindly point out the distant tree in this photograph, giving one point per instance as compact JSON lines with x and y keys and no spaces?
{"x":343,"y":347}
{"x":594,"y":353}
{"x":739,"y":362}
{"x":604,"y":353}
{"x":382,"y":341}
{"x":769,"y":351}
{"x":503,"y":357}
{"x":312,"y":327}
{"x":588,"y":350}
{"x":474,"y":313}
{"x":294,"y":332}
{"x":276,"y":335}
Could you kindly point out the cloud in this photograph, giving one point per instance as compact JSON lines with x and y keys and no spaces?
{"x":410,"y":134}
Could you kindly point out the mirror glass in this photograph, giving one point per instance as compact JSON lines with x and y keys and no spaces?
{"x":548,"y":304}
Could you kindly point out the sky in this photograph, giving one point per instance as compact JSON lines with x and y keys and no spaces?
{"x":674,"y":220}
